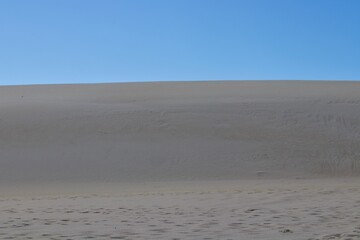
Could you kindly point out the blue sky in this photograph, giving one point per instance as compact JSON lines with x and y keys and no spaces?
{"x":80,"y":41}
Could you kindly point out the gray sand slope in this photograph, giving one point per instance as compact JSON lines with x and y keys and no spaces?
{"x":179,"y":131}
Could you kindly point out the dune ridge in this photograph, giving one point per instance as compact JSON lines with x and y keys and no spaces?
{"x":130,"y":132}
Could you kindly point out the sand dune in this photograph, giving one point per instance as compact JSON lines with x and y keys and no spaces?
{"x":179,"y":131}
{"x":180,"y":160}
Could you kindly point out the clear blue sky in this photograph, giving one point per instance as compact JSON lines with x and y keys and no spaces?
{"x":68,"y":41}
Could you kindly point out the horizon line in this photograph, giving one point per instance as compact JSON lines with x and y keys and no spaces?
{"x":179,"y":81}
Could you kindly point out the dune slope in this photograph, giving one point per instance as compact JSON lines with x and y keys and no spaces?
{"x":179,"y":131}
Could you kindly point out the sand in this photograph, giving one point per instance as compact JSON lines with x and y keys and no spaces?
{"x":251,"y":209}
{"x":180,"y":160}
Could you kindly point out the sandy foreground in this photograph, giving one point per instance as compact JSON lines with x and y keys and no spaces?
{"x":248,"y":209}
{"x":180,"y":160}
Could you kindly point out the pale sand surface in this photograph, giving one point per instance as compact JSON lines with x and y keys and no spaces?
{"x":252,"y":209}
{"x":181,"y":160}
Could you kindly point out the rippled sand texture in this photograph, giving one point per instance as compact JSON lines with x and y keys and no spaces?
{"x":307,"y":210}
